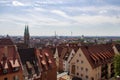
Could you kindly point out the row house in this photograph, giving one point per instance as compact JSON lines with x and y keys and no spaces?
{"x":63,"y":54}
{"x":66,"y":57}
{"x":57,"y":55}
{"x":93,"y":62}
{"x":10,"y":64}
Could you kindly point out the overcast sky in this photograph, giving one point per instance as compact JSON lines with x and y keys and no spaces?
{"x":44,"y":17}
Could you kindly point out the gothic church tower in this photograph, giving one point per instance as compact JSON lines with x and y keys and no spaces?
{"x":26,"y":36}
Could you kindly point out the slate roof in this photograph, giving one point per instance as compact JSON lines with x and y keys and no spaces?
{"x":29,"y":61}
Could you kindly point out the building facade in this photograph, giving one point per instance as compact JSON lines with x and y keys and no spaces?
{"x":93,"y":62}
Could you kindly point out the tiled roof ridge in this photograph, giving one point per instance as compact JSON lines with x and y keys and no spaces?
{"x":100,"y":53}
{"x":6,"y":41}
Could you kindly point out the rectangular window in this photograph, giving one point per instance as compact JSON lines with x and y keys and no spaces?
{"x":86,"y":77}
{"x":77,"y":60}
{"x":73,"y":69}
{"x":77,"y":74}
{"x":86,"y":69}
{"x":15,"y":69}
{"x":81,"y":61}
{"x":81,"y":68}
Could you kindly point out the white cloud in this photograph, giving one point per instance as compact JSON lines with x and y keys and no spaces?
{"x":33,"y":20}
{"x":39,"y":9}
{"x":60,"y":13}
{"x":17,"y":3}
{"x":103,"y":11}
{"x":49,"y":2}
{"x":98,"y":19}
{"x":93,"y":8}
{"x":3,"y":1}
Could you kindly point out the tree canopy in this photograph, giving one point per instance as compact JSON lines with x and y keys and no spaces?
{"x":117,"y":65}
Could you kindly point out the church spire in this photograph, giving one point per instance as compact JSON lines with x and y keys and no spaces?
{"x":26,"y":35}
{"x":25,"y":31}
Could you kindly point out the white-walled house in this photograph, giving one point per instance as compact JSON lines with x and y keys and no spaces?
{"x":93,"y":62}
{"x":66,"y":61}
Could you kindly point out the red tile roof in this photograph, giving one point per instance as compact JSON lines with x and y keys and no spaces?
{"x":46,"y":59}
{"x":6,"y":41}
{"x":8,"y":54}
{"x":98,"y":54}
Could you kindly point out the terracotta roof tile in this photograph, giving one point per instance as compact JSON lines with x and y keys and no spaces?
{"x":8,"y":54}
{"x":101,"y":53}
{"x":6,"y":41}
{"x":46,"y":59}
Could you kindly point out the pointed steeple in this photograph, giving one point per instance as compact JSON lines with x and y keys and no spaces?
{"x":25,"y":31}
{"x":26,"y":35}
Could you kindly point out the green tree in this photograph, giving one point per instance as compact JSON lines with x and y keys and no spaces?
{"x":117,"y":65}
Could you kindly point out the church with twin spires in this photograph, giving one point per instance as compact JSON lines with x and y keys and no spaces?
{"x":26,"y":36}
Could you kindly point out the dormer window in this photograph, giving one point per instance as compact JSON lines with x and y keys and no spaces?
{"x":29,"y":66}
{"x":34,"y":62}
{"x":43,"y":62}
{"x":50,"y":61}
{"x":5,"y":71}
{"x":46,"y":54}
{"x":16,"y":69}
{"x":5,"y":67}
{"x":15,"y":65}
{"x":40,"y":55}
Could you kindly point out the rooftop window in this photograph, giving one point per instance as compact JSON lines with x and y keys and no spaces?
{"x":16,"y":69}
{"x":5,"y":71}
{"x":50,"y":61}
{"x":14,"y":63}
{"x":46,"y":54}
{"x":43,"y":62}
